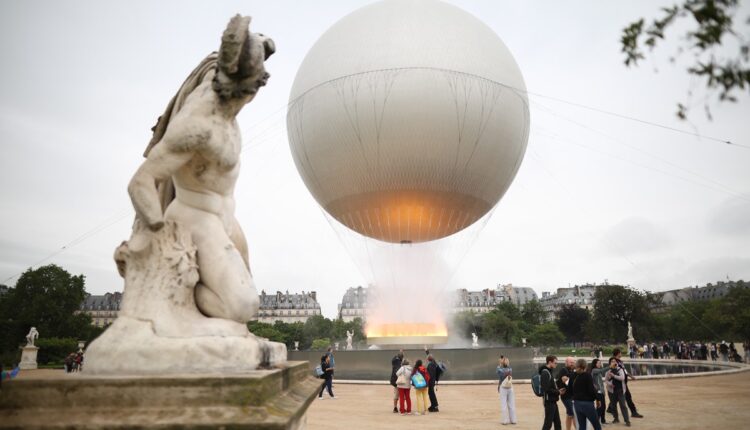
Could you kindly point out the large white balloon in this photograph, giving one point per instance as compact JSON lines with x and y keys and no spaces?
{"x":408,"y":120}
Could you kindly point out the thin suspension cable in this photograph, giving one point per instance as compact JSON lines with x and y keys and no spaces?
{"x":536,"y":157}
{"x":720,"y":187}
{"x":642,"y":121}
{"x":81,"y":238}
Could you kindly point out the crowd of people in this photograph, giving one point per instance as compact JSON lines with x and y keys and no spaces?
{"x":74,"y":362}
{"x":585,"y":388}
{"x":694,"y":350}
{"x":422,"y":376}
{"x":581,"y":386}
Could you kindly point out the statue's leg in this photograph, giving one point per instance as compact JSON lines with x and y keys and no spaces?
{"x":226,"y":289}
{"x":238,"y":238}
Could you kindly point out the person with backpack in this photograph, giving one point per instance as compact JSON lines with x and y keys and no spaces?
{"x":551,"y":394}
{"x":403,"y":382}
{"x":325,"y":364}
{"x":395,"y":365}
{"x":420,"y":379}
{"x":432,"y":370}
{"x":505,"y":389}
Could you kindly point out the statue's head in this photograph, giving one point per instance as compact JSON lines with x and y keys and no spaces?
{"x":241,"y":72}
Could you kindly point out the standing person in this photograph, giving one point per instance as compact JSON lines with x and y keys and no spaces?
{"x":395,"y":365}
{"x":615,"y":378}
{"x":724,"y":351}
{"x":79,"y":362}
{"x":747,"y":351}
{"x":597,"y":373}
{"x":564,"y":379}
{"x":584,"y":396}
{"x":69,"y":362}
{"x":329,"y":353}
{"x":403,"y":382}
{"x":714,"y":354}
{"x":551,"y":394}
{"x":432,"y":370}
{"x":505,"y":389}
{"x":325,"y":364}
{"x":421,"y":393}
{"x":628,"y":397}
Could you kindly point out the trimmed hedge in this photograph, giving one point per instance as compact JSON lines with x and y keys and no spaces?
{"x":54,"y":350}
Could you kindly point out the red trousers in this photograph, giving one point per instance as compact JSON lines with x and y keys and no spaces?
{"x":403,"y":394}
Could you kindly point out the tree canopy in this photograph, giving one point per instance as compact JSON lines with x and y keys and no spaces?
{"x":710,"y":23}
{"x":46,"y":298}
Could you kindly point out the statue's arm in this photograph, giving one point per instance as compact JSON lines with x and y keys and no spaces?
{"x":162,"y":162}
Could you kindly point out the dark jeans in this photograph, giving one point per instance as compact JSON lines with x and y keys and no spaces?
{"x":618,"y":398}
{"x":585,"y":411}
{"x":327,"y":384}
{"x":433,"y":397}
{"x":629,"y":400}
{"x":602,"y":408}
{"x":551,"y":416}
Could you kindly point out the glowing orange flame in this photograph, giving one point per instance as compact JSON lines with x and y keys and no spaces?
{"x":406,"y":329}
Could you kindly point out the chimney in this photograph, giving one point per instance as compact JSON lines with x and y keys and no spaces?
{"x":314,"y":295}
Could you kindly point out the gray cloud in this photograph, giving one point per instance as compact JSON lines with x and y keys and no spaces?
{"x":731,"y":217}
{"x":634,"y":235}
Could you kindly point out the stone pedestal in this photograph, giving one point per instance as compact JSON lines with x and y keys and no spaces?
{"x":261,"y":399}
{"x":28,"y":357}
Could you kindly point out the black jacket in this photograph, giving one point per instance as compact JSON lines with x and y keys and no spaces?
{"x":582,"y":387}
{"x":549,"y":385}
{"x":327,"y":370}
{"x":432,"y":371}
{"x":395,"y":365}
{"x":562,"y":384}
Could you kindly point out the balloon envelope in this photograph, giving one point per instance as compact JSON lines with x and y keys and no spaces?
{"x":408,"y":120}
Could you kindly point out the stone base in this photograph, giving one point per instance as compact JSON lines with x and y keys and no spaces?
{"x":131,"y":347}
{"x":267,"y":399}
{"x":28,"y":357}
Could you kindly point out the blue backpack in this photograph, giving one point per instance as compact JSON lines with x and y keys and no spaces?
{"x":418,"y":381}
{"x":318,"y":372}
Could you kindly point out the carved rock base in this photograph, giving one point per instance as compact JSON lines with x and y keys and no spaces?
{"x":262,"y":399}
{"x":130,"y":346}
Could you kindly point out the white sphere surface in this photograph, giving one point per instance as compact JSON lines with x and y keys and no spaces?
{"x":408,"y":120}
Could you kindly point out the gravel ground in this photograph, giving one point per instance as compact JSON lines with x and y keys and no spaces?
{"x":685,"y":403}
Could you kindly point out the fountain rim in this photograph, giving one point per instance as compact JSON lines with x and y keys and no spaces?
{"x":729,"y":368}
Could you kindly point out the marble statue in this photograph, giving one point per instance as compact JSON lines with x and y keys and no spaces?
{"x":296,"y":345}
{"x":630,"y":331}
{"x":189,"y":291}
{"x":349,"y":337}
{"x":474,"y":340}
{"x":32,"y":336}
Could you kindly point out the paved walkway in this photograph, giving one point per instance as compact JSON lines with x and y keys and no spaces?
{"x":721,"y":402}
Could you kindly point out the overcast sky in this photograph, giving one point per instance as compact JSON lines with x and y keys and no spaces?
{"x":597,"y":197}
